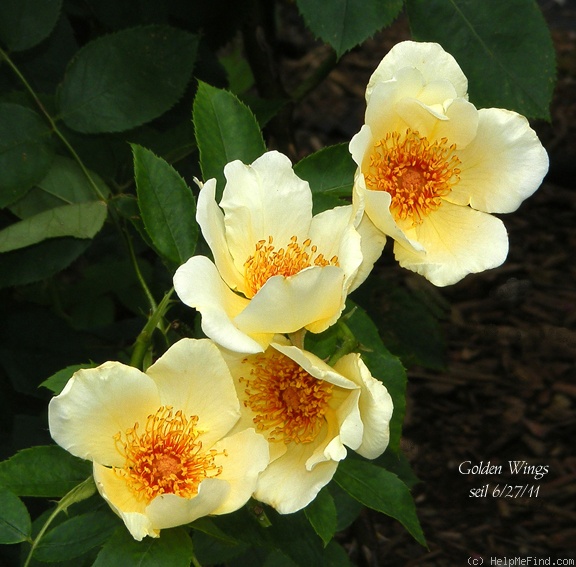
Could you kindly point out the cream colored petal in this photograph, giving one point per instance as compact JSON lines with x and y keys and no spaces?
{"x":334,"y":233}
{"x":211,"y":220}
{"x":372,"y":243}
{"x":314,"y":365}
{"x":375,"y":406}
{"x":462,"y":124}
{"x":170,"y":510}
{"x":436,"y":92}
{"x":429,"y":58}
{"x":360,"y":147}
{"x":124,"y":503}
{"x":192,"y":376}
{"x":287,"y":485}
{"x":382,"y":110}
{"x":98,"y":403}
{"x":261,"y":200}
{"x":419,"y":117}
{"x":246,"y":456}
{"x":199,"y":285}
{"x":458,"y":123}
{"x":377,"y":207}
{"x":349,"y":421}
{"x":504,"y":164}
{"x":457,"y":241}
{"x":312,"y":298}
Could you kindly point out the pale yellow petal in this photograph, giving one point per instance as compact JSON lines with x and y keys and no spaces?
{"x":198,"y":284}
{"x":287,"y":485}
{"x":314,"y":365}
{"x":333,"y":232}
{"x":243,"y":456}
{"x":211,"y":220}
{"x":170,"y":510}
{"x":375,"y":406}
{"x":429,"y":58}
{"x":98,"y":403}
{"x":384,"y":109}
{"x":123,"y":502}
{"x":372,"y":243}
{"x":457,"y":241}
{"x":261,"y":200}
{"x":192,"y":376}
{"x":504,"y":164}
{"x":377,"y":207}
{"x":312,"y":298}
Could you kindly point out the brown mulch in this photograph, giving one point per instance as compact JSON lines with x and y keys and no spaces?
{"x":508,"y":392}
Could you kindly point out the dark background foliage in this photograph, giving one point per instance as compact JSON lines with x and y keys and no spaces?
{"x":490,"y":360}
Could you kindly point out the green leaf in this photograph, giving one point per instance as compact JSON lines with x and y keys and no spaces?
{"x":410,"y":326}
{"x":64,"y":184}
{"x":346,"y":23}
{"x":167,"y":206}
{"x":330,"y":173}
{"x":25,"y":23}
{"x":213,"y":549}
{"x":76,"y":536}
{"x":383,"y":365}
{"x":380,"y":490}
{"x":40,"y":261}
{"x":26,"y":151}
{"x":46,"y":470}
{"x":321,"y":514}
{"x":226,"y":130}
{"x":125,"y":79}
{"x":278,"y":559}
{"x":398,"y":464}
{"x":172,"y":549}
{"x":15,"y":523}
{"x":57,"y":381}
{"x":504,"y":48}
{"x":82,"y":220}
{"x":207,"y":526}
{"x":348,"y":509}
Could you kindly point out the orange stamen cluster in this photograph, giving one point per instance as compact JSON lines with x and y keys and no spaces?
{"x":415,"y":172}
{"x":288,"y":403}
{"x":267,"y":261}
{"x":165,"y":458}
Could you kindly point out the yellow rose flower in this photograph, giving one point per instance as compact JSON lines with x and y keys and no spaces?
{"x":159,"y":442}
{"x":309,"y":412}
{"x":277,"y":268}
{"x":431,"y":167}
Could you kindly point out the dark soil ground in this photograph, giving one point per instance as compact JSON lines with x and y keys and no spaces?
{"x":508,"y":392}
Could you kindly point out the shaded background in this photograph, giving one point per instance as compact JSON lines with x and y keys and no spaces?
{"x":506,"y":387}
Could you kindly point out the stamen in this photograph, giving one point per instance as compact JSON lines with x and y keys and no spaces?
{"x":166,"y":457}
{"x":288,"y":403}
{"x":267,"y":261}
{"x":416,"y":173}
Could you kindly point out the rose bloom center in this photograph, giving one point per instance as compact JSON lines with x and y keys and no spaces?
{"x":267,"y":261}
{"x":288,"y":403}
{"x":166,"y":457}
{"x":415,"y":172}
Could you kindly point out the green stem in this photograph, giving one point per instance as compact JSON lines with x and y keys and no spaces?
{"x":53,"y":125}
{"x":145,"y":337}
{"x":349,"y":343}
{"x":80,"y":492}
{"x":139,"y":276}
